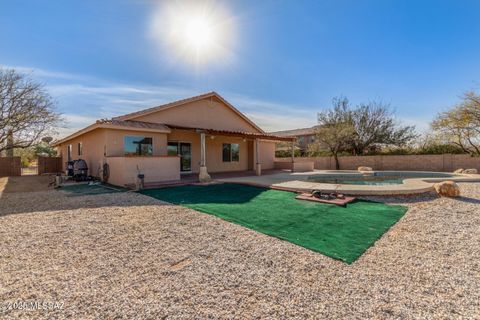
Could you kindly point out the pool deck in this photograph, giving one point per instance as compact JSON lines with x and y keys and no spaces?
{"x":298,"y":181}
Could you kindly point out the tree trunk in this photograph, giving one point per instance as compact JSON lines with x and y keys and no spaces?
{"x":9,"y":149}
{"x":337,"y":163}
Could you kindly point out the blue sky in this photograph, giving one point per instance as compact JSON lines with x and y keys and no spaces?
{"x":287,"y":59}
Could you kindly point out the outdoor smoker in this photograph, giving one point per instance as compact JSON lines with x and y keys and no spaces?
{"x":77,"y":169}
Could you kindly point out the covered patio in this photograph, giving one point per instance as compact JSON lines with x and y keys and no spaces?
{"x":253,"y":149}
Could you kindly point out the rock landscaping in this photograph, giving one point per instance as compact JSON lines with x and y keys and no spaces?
{"x":447,"y":189}
{"x":125,"y":255}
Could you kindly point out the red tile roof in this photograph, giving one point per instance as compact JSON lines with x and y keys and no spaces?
{"x":117,"y":124}
{"x":133,"y":124}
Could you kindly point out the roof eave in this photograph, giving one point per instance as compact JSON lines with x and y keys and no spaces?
{"x":107,"y":126}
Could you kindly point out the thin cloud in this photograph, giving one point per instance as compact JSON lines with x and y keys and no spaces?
{"x":421,"y":125}
{"x":84,"y":99}
{"x":47,"y":74}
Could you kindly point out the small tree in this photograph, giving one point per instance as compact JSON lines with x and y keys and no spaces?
{"x":335,"y":131}
{"x":26,"y":111}
{"x":335,"y":138}
{"x":44,"y":150}
{"x":461,"y":125}
{"x":375,"y":126}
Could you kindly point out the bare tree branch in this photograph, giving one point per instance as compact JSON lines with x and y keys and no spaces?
{"x":26,"y":110}
{"x":461,"y":125}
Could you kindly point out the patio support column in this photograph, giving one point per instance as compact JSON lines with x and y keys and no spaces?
{"x":203,"y":175}
{"x":293,"y":155}
{"x":258,"y":166}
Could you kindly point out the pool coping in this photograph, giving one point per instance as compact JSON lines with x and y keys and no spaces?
{"x":298,"y":182}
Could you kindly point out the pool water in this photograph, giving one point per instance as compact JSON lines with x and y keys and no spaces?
{"x":376,"y":182}
{"x":379,"y":179}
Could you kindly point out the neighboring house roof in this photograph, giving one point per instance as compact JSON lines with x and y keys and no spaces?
{"x":296,"y":132}
{"x":144,"y":112}
{"x":118,"y":124}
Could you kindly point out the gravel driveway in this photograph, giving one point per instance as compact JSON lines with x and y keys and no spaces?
{"x":129,"y":256}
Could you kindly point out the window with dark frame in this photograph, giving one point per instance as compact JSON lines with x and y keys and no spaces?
{"x":235,"y":152}
{"x":231,"y":152}
{"x":138,"y":146}
{"x":80,"y":149}
{"x":69,"y":152}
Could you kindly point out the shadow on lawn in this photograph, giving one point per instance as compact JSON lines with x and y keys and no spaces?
{"x":25,"y":184}
{"x":214,"y":193}
{"x":80,"y":196}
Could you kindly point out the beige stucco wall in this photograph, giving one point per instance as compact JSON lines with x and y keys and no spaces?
{"x":213,"y":149}
{"x":123,"y":170}
{"x":111,"y":142}
{"x":267,"y":154}
{"x":206,"y":113}
{"x":115,"y":141}
{"x":93,"y":145}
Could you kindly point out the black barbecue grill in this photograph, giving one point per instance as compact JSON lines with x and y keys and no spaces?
{"x":77,"y":169}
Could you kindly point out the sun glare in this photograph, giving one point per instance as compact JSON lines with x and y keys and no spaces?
{"x":196,"y":32}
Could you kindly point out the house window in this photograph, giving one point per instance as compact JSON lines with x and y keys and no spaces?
{"x":231,"y":152}
{"x":69,"y":152}
{"x":172,"y":149}
{"x":80,"y":148}
{"x":138,"y":146}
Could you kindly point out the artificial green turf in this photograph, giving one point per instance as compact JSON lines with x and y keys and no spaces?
{"x":342,"y":233}
{"x":83,"y":189}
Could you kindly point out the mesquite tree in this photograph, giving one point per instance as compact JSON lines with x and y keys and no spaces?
{"x":359,"y":129}
{"x":27,"y":112}
{"x":335,"y":130}
{"x":375,"y":125}
{"x":461,"y":125}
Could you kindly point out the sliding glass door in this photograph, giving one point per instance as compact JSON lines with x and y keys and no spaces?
{"x":184,"y":150}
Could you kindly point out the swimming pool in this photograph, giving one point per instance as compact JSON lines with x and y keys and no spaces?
{"x":378,"y":178}
{"x":353,"y":182}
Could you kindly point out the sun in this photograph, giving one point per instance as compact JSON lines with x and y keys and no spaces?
{"x":199,"y":33}
{"x":196,"y":32}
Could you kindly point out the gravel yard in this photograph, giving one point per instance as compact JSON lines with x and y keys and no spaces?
{"x":130,"y":256}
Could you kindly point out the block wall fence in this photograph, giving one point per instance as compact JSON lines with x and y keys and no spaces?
{"x":437,"y":162}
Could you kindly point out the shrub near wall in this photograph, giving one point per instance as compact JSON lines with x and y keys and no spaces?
{"x":441,"y":162}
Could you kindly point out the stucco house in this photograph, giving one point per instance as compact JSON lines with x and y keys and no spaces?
{"x":197,"y":135}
